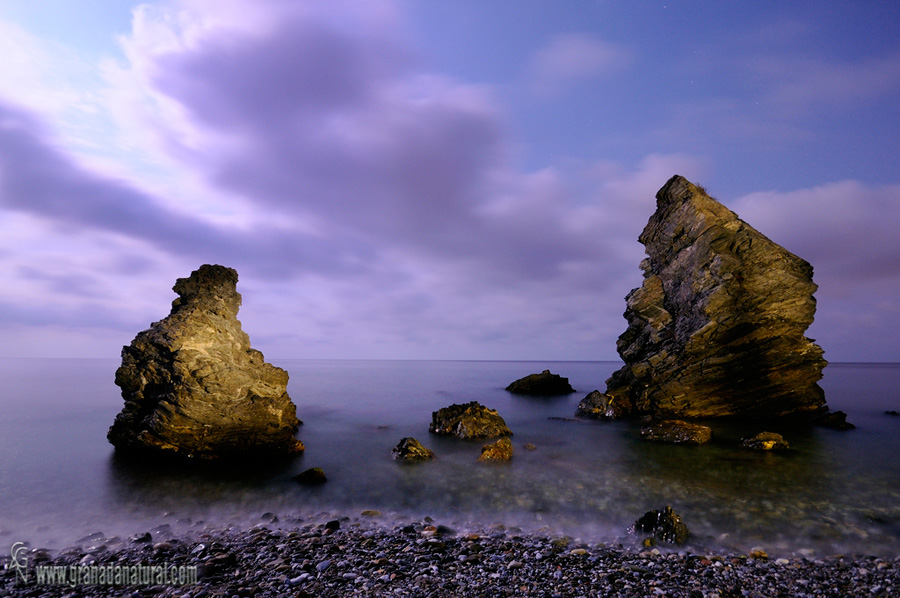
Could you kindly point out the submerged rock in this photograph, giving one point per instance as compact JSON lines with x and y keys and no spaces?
{"x":471,"y":420}
{"x":836,"y":420}
{"x":599,"y":405}
{"x":676,"y":431}
{"x":311,"y":477}
{"x":766,"y":441}
{"x":410,"y":450}
{"x":193,"y":386}
{"x":717,"y":327}
{"x":664,"y":525}
{"x":544,"y":384}
{"x":501,"y":450}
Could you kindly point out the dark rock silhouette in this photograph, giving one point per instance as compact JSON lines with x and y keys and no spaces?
{"x":664,"y":525}
{"x":471,"y":420}
{"x":717,"y":328}
{"x":543,"y":384}
{"x":675,"y":431}
{"x":313,"y":476}
{"x":194,"y":388}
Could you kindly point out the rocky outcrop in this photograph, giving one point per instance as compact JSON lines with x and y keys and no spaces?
{"x":544,"y":384}
{"x":193,"y":386}
{"x":500,"y":450}
{"x":766,"y":441}
{"x":410,"y":450}
{"x":599,"y":405}
{"x":717,"y":327}
{"x":664,"y":525}
{"x":675,"y":431}
{"x":471,"y":420}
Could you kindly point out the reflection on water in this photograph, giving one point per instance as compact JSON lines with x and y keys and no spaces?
{"x":833,"y":492}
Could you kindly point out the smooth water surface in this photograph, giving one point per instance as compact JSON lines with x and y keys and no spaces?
{"x":833,"y":492}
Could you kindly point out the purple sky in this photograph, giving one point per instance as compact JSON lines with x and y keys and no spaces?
{"x":442,"y":179}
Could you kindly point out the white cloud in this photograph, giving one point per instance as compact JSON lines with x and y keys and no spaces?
{"x":571,"y":58}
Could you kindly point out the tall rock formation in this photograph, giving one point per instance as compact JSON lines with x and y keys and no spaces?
{"x":194,"y":388}
{"x":717,"y":328}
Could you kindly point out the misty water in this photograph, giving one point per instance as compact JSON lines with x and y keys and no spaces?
{"x":833,"y":492}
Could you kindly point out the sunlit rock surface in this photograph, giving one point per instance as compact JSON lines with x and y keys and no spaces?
{"x":717,"y":327}
{"x":193,"y":386}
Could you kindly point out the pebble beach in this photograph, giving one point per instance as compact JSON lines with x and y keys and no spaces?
{"x":359,"y":556}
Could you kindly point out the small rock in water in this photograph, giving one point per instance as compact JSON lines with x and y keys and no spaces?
{"x":836,"y":420}
{"x":543,"y":384}
{"x":892,"y":412}
{"x":501,"y":450}
{"x":665,"y":525}
{"x":766,"y":441}
{"x":599,"y":405}
{"x":311,"y":477}
{"x":471,"y":420}
{"x":410,"y":450}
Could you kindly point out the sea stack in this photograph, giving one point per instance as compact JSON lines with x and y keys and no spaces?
{"x":193,"y":386}
{"x":717,"y":327}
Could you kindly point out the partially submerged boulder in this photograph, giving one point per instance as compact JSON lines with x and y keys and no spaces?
{"x":836,"y":420}
{"x":500,"y":450}
{"x":599,"y":405}
{"x":766,"y":441}
{"x":193,"y":386}
{"x":471,"y":420}
{"x":664,"y":525}
{"x":544,"y":384}
{"x":410,"y":450}
{"x":675,"y":431}
{"x":717,"y":327}
{"x":314,"y":476}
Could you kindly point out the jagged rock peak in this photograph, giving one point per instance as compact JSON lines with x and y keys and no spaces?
{"x":717,"y":327}
{"x":193,"y":386}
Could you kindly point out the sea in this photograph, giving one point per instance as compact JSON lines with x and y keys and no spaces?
{"x":833,"y":492}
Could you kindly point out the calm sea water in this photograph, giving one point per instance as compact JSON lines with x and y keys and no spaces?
{"x":834,"y":492}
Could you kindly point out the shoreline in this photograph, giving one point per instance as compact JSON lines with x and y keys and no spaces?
{"x":363,"y":557}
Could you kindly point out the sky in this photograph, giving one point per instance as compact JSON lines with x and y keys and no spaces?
{"x":432,"y":179}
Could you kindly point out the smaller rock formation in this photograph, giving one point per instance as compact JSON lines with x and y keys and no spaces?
{"x":471,"y":420}
{"x":599,"y":405}
{"x":676,"y":431}
{"x":501,"y":450}
{"x":766,"y":441}
{"x":410,"y":450}
{"x":193,"y":386}
{"x":664,"y":525}
{"x":544,"y":384}
{"x":311,"y":477}
{"x":836,"y":420}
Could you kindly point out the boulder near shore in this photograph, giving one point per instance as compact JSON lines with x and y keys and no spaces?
{"x":193,"y":386}
{"x":544,"y":384}
{"x":717,"y":327}
{"x":469,"y":420}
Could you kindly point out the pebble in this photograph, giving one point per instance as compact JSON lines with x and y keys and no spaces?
{"x":365,"y":558}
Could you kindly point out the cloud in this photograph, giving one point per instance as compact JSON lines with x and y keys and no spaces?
{"x":572,"y":58}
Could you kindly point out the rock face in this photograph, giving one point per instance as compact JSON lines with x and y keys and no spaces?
{"x":500,"y":450}
{"x":717,"y":328}
{"x":194,"y":388}
{"x":410,"y":450}
{"x":472,"y":420}
{"x":544,"y":384}
{"x":599,"y":405}
{"x":676,"y":431}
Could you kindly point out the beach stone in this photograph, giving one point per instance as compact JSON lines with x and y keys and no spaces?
{"x":836,"y":420}
{"x":664,"y":525}
{"x":717,"y":327}
{"x":193,"y":386}
{"x":675,"y":431}
{"x":543,"y":384}
{"x":311,"y":477}
{"x":471,"y":420}
{"x":766,"y":441}
{"x":599,"y":405}
{"x":410,"y":450}
{"x":500,"y":450}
